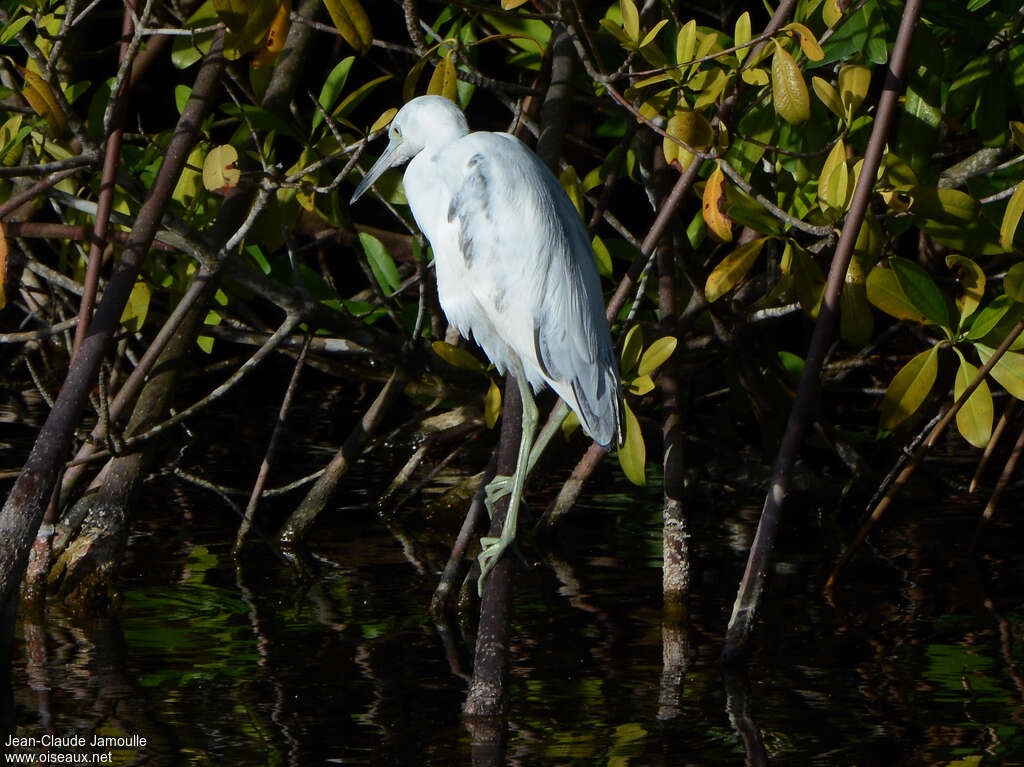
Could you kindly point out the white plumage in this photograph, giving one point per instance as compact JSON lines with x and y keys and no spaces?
{"x":514,"y":267}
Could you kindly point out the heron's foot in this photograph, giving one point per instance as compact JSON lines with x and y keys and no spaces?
{"x":496,"y":489}
{"x":492,"y":550}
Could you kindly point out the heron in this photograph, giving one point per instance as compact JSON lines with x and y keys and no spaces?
{"x":515,"y":271}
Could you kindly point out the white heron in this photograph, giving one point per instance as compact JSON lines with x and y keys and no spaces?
{"x":514,"y":269}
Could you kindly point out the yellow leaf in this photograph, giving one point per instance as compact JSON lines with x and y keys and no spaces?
{"x":641,"y":385}
{"x":136,"y":308}
{"x":971,"y":281}
{"x":974,"y":419}
{"x":719,"y":224}
{"x":690,"y":127}
{"x":631,"y":350}
{"x":570,"y":182}
{"x":492,"y":405}
{"x":732,"y":269}
{"x":3,"y":266}
{"x":40,"y":97}
{"x":511,"y":5}
{"x":828,"y":96}
{"x":741,"y":34}
{"x":832,"y":185}
{"x":219,"y":171}
{"x":909,"y":388}
{"x":656,"y":355}
{"x":808,"y":43}
{"x":789,"y":91}
{"x":1011,"y":218}
{"x":633,"y":452}
{"x":273,"y":43}
{"x":831,"y":12}
{"x":458,"y":357}
{"x":352,"y":23}
{"x":756,"y":76}
{"x":384,"y":120}
{"x":1017,"y":133}
{"x":686,"y":42}
{"x":444,"y":80}
{"x":854,"y":81}
{"x":630,"y":19}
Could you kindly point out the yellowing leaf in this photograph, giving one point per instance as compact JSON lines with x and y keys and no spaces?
{"x":511,"y":5}
{"x":884,"y":292}
{"x":631,"y":350}
{"x":741,"y":34}
{"x":909,"y":388}
{"x":3,"y":266}
{"x":570,"y":182}
{"x":458,"y":357}
{"x":273,"y":41}
{"x":352,"y":23}
{"x":833,"y":185}
{"x":1017,"y":133}
{"x":686,"y":42}
{"x":854,"y":81}
{"x":219,"y":171}
{"x":630,"y":19}
{"x":756,"y":76}
{"x":808,"y":43}
{"x":384,"y":120}
{"x":974,"y":419}
{"x":649,"y":37}
{"x":971,"y":281}
{"x":828,"y":96}
{"x":656,"y":355}
{"x":831,"y":13}
{"x":717,"y":222}
{"x":732,"y":269}
{"x":633,"y":452}
{"x":1011,"y":218}
{"x":135,"y":310}
{"x":444,"y":80}
{"x":789,"y":91}
{"x":641,"y":385}
{"x":40,"y":97}
{"x":492,"y":405}
{"x":1009,"y":371}
{"x":690,"y":127}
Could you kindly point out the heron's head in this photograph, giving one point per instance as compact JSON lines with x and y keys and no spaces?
{"x":424,"y":121}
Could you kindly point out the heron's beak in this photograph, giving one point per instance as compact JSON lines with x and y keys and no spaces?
{"x":392,"y":156}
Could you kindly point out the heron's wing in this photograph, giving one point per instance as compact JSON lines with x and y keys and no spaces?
{"x":523,"y":252}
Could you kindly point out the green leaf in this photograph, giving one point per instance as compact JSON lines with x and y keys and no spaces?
{"x":1013,"y":282}
{"x":649,"y":37}
{"x":1011,"y":218}
{"x":732,"y":269}
{"x":974,"y":419}
{"x":633,"y":452}
{"x":656,"y":354}
{"x":686,"y":42}
{"x":921,"y":290}
{"x":381,"y":263}
{"x":492,"y":402}
{"x":631,"y":350}
{"x":458,"y":357}
{"x":909,"y":388}
{"x":186,"y":51}
{"x":987,"y":319}
{"x":1009,"y":371}
{"x":884,"y":292}
{"x":332,"y":88}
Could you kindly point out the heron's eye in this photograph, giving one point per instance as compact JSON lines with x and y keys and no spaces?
{"x":396,"y":133}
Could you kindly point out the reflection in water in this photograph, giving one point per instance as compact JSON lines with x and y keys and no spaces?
{"x":250,"y":665}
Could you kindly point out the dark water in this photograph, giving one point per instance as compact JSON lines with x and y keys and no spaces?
{"x":919,"y":661}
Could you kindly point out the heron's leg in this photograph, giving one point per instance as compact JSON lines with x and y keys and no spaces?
{"x":493,"y":548}
{"x":501,"y":485}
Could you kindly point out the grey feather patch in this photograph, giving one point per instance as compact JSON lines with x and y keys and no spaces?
{"x":541,"y":351}
{"x":470,"y":201}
